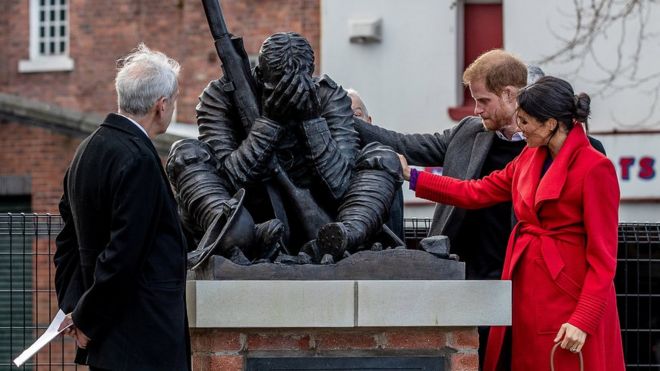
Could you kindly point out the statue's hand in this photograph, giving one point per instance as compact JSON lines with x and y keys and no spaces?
{"x":276,"y":99}
{"x":305,"y":103}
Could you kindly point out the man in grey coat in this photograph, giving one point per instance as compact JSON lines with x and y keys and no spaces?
{"x":472,"y":149}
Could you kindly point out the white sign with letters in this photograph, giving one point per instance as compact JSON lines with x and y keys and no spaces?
{"x":635,"y":157}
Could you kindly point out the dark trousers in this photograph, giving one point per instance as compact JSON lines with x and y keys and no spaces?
{"x":505,"y":357}
{"x":483,"y":340}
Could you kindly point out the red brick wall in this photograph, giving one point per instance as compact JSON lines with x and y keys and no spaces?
{"x":103,"y":31}
{"x":41,"y":154}
{"x":219,"y":349}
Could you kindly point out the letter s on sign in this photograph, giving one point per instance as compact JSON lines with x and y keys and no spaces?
{"x":646,"y":170}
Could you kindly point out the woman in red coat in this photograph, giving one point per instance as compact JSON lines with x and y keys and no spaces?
{"x":561,"y":256}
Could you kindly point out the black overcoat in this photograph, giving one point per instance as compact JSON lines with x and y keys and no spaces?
{"x":120,"y":260}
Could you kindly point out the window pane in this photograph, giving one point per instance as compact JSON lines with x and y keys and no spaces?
{"x":52,"y":47}
{"x":42,"y":16}
{"x":52,"y":31}
{"x":42,"y":48}
{"x":52,"y":2}
{"x":63,"y":2}
{"x":42,"y":31}
{"x":52,"y":16}
{"x":62,"y":15}
{"x":62,"y":31}
{"x":42,"y":2}
{"x":62,"y":47}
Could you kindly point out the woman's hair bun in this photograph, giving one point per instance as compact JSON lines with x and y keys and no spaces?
{"x":582,"y":107}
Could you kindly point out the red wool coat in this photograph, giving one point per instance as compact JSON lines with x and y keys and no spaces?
{"x":561,"y":256}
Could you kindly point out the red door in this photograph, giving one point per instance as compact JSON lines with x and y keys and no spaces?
{"x":482,"y":31}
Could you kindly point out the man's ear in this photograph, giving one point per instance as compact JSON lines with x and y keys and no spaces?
{"x":509,"y":94}
{"x":160,"y":105}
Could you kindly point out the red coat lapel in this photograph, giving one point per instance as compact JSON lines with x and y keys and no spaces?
{"x":552,"y":183}
{"x":530,"y":175}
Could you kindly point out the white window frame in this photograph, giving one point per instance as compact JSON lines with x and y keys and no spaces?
{"x":45,"y":63}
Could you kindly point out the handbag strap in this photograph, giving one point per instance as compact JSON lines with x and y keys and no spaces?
{"x":552,"y":358}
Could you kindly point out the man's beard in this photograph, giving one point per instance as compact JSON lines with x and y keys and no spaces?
{"x":490,"y":124}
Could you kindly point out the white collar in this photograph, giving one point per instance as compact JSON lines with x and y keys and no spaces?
{"x":135,"y":123}
{"x":516,"y":137}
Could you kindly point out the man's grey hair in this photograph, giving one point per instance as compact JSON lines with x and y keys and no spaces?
{"x":534,"y":73}
{"x":143,"y":77}
{"x":353,"y":93}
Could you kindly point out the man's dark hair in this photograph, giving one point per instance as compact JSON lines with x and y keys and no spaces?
{"x":287,"y":52}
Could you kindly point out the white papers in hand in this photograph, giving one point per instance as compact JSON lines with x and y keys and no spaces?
{"x":50,"y":334}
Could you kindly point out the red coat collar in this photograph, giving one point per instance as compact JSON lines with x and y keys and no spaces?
{"x":534,"y":189}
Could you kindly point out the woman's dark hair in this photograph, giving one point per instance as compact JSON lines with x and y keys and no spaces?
{"x":552,"y":97}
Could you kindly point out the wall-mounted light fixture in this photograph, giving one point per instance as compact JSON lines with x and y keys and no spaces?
{"x":364,"y":31}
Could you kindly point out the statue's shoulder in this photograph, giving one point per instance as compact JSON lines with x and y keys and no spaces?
{"x":215,"y":92}
{"x":325,"y":80}
{"x":216,"y":85}
{"x":330,"y":91}
{"x":214,"y":98}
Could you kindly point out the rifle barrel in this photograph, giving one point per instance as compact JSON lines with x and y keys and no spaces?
{"x":215,"y":18}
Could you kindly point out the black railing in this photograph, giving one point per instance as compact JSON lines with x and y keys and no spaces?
{"x":27,"y":299}
{"x":638,"y":294}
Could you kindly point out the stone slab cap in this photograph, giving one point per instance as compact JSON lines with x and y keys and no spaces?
{"x":346,"y":304}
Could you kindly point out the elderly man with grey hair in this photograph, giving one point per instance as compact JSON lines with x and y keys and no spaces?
{"x":120,"y":259}
{"x":357,"y":105}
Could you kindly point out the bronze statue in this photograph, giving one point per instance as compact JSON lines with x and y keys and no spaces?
{"x":287,"y":138}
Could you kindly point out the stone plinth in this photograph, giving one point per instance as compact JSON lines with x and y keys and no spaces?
{"x":391,"y":264}
{"x":235,"y":323}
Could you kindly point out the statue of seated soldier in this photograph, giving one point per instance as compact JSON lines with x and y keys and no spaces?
{"x":309,"y":187}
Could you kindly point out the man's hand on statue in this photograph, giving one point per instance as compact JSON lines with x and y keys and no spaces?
{"x":404,"y":167}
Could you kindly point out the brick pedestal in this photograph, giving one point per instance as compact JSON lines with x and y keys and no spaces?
{"x":229,"y":349}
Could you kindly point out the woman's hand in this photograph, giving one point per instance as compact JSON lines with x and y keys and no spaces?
{"x":571,"y":337}
{"x":404,"y":167}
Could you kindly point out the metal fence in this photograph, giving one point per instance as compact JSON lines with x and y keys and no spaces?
{"x":27,"y":299}
{"x":638,"y":294}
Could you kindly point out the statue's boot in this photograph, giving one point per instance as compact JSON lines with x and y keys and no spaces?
{"x":366,"y":204}
{"x":269,"y":235}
